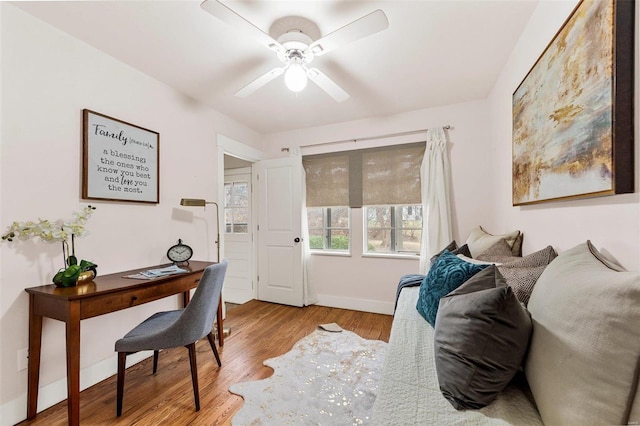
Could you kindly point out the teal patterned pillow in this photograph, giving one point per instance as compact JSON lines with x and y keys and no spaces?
{"x":447,"y":273}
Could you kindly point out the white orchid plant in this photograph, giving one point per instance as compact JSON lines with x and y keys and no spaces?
{"x":51,"y":232}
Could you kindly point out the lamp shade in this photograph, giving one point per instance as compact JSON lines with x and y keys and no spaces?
{"x":193,"y":202}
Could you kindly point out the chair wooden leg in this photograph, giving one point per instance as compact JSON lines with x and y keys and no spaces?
{"x":212,"y":342}
{"x":122,"y":358}
{"x":155,"y":361}
{"x":194,"y":374}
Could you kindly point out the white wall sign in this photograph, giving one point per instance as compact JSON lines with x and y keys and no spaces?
{"x":120,"y":160}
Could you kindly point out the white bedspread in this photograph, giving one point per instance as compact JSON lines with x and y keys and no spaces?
{"x":409,"y":392}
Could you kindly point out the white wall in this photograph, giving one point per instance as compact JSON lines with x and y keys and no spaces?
{"x":369,"y":284}
{"x":47,"y":78}
{"x":611,"y":223}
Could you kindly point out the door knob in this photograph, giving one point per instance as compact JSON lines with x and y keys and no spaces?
{"x":296,"y":240}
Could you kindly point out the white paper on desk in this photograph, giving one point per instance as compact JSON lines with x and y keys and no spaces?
{"x":161,"y":272}
{"x":137,"y":277}
{"x":157,"y":273}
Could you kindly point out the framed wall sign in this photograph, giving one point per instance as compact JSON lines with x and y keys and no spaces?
{"x":573,"y":112}
{"x":120,"y":160}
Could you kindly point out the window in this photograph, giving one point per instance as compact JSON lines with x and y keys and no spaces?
{"x":328,"y":228}
{"x":393,"y":229}
{"x":385,"y":181}
{"x":236,"y":207}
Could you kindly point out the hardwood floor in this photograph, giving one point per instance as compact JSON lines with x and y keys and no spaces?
{"x":259,"y":330}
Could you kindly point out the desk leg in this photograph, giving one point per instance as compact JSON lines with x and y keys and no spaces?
{"x":219,"y":322}
{"x":33,"y":371}
{"x":73,"y":364}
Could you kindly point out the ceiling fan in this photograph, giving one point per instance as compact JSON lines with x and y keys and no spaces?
{"x":296,"y":50}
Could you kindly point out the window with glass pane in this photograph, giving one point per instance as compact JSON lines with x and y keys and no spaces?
{"x":328,"y":228}
{"x":393,"y":229}
{"x":236,"y":207}
{"x":383,"y":181}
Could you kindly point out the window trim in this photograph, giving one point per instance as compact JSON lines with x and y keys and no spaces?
{"x":405,"y":256}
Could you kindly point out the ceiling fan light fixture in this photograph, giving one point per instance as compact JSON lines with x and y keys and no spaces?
{"x":295,"y":78}
{"x":296,"y":48}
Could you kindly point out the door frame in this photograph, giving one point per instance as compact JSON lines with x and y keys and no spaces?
{"x":229,"y":146}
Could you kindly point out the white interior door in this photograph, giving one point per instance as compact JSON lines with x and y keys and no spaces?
{"x":279,"y":231}
{"x":238,"y":235}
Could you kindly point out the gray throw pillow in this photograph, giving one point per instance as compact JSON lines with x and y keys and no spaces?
{"x":481,"y":336}
{"x":499,"y":252}
{"x":517,"y":245}
{"x":452,"y":248}
{"x":479,"y":240}
{"x":522,"y":273}
{"x":583,"y":362}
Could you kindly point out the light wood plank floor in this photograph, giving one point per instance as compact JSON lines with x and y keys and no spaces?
{"x":259,"y":330}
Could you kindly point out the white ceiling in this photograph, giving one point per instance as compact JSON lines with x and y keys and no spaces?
{"x":434,"y":53}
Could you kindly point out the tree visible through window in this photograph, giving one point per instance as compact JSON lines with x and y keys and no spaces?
{"x":236,"y":207}
{"x":393,"y":229}
{"x":328,"y":228}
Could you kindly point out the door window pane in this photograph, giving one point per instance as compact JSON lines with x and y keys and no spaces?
{"x":236,"y":209}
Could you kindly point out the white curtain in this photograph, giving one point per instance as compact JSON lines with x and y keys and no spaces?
{"x":309,"y":295}
{"x":436,"y":209}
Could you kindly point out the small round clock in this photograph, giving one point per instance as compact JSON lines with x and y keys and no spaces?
{"x":180,"y":253}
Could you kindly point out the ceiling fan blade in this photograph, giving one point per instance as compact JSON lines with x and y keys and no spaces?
{"x":259,"y":82}
{"x":326,"y":84}
{"x":228,"y":15}
{"x":369,"y":24}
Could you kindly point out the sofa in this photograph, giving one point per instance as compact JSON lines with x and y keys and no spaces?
{"x":580,"y":364}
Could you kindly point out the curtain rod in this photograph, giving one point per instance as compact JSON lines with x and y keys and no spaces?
{"x":355,"y":140}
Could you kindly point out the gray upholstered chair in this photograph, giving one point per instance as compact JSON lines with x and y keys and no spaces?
{"x":171,"y":329}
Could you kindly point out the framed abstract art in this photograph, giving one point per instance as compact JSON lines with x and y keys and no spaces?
{"x":573,"y":112}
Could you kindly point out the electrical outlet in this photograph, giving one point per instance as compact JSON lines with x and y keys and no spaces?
{"x":23,"y":359}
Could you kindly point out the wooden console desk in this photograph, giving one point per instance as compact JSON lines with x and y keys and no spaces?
{"x":105,"y":294}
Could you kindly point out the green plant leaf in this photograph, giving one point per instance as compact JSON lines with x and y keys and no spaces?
{"x":86,"y":265}
{"x":72,"y":260}
{"x":70,"y":275}
{"x":57,"y":278}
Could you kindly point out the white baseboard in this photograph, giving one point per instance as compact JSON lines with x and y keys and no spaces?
{"x":15,"y":411}
{"x":356,"y":304}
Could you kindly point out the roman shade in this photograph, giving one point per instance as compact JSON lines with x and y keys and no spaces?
{"x":327,"y":178}
{"x":377,"y":176}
